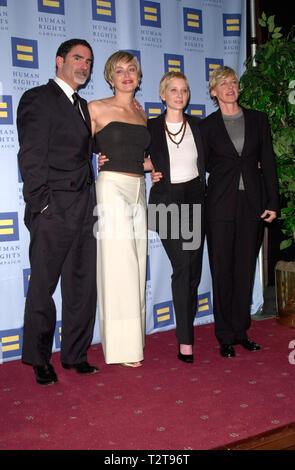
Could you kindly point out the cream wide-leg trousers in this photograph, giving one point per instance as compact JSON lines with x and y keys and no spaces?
{"x":121,"y":265}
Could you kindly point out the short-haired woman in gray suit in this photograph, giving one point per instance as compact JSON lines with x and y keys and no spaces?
{"x":242,"y":193}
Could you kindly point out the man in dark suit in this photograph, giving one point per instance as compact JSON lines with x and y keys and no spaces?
{"x":242,"y":192}
{"x":55,"y":160}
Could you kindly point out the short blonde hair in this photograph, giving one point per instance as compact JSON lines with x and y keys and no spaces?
{"x":217,"y":76}
{"x":168,"y":77}
{"x":114,"y":59}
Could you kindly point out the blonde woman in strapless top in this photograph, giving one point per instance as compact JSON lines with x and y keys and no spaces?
{"x":120,"y":132}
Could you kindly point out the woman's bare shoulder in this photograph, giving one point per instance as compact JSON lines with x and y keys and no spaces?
{"x":99,"y":104}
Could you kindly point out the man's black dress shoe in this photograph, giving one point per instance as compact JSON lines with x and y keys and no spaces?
{"x":250,"y":345}
{"x":45,"y":375}
{"x":81,"y":368}
{"x":227,"y":350}
{"x":188,"y":358}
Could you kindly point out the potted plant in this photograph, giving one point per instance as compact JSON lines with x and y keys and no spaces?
{"x":270,"y":87}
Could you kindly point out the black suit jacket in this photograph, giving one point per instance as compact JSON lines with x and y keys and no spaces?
{"x":159,"y":154}
{"x":224,"y":165}
{"x":55,"y":156}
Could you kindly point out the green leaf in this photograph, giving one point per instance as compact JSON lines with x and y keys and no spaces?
{"x":285,"y":244}
{"x":271,"y":23}
{"x":269,"y":87}
{"x":261,"y":22}
{"x":276,"y":35}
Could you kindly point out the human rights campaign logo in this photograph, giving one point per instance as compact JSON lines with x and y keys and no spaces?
{"x":51,"y":6}
{"x":150,"y":14}
{"x":26,"y":280}
{"x":204,"y":305}
{"x":8,"y":227}
{"x":57,"y":334}
{"x":198,"y":110}
{"x":24,"y":53}
{"x":163,"y":314}
{"x":154,"y":109}
{"x":104,"y":10}
{"x":211,"y":65}
{"x":11,"y":343}
{"x":6,"y":110}
{"x":231,"y":25}
{"x":173,"y":63}
{"x":193,"y":20}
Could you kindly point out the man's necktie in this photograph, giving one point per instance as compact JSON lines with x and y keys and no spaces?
{"x":76,"y":104}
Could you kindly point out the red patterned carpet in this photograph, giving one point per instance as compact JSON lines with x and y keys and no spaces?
{"x":164,"y":405}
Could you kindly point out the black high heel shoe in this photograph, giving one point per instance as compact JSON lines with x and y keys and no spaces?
{"x":188,"y":358}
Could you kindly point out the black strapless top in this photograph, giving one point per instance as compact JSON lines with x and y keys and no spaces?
{"x":124,"y":144}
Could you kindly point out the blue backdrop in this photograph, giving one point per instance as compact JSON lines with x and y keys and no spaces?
{"x":193,"y":36}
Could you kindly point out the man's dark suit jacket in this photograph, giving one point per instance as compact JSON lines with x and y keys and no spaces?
{"x":224,"y":165}
{"x":161,"y":191}
{"x":55,"y":149}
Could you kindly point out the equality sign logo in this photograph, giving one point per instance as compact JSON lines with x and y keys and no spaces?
{"x":6,"y":110}
{"x":204,"y":306}
{"x":163,"y":314}
{"x":150,"y":14}
{"x":24,"y":53}
{"x":153,"y":109}
{"x":11,"y":343}
{"x":211,"y":65}
{"x":103,"y":10}
{"x":26,"y":280}
{"x":9,"y":227}
{"x":51,"y":6}
{"x":193,"y":20}
{"x":173,"y":63}
{"x":198,"y":110}
{"x":232,"y":24}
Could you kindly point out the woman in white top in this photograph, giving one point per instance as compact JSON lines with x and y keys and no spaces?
{"x":178,"y":184}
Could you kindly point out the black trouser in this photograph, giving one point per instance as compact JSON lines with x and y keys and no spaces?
{"x":233,"y":248}
{"x":62,"y":247}
{"x":186,"y":263}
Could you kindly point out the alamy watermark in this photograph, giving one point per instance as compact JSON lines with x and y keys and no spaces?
{"x":130,"y":221}
{"x":292,"y":93}
{"x":291,"y":356}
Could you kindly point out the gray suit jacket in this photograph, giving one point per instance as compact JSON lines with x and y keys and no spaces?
{"x":224,"y":165}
